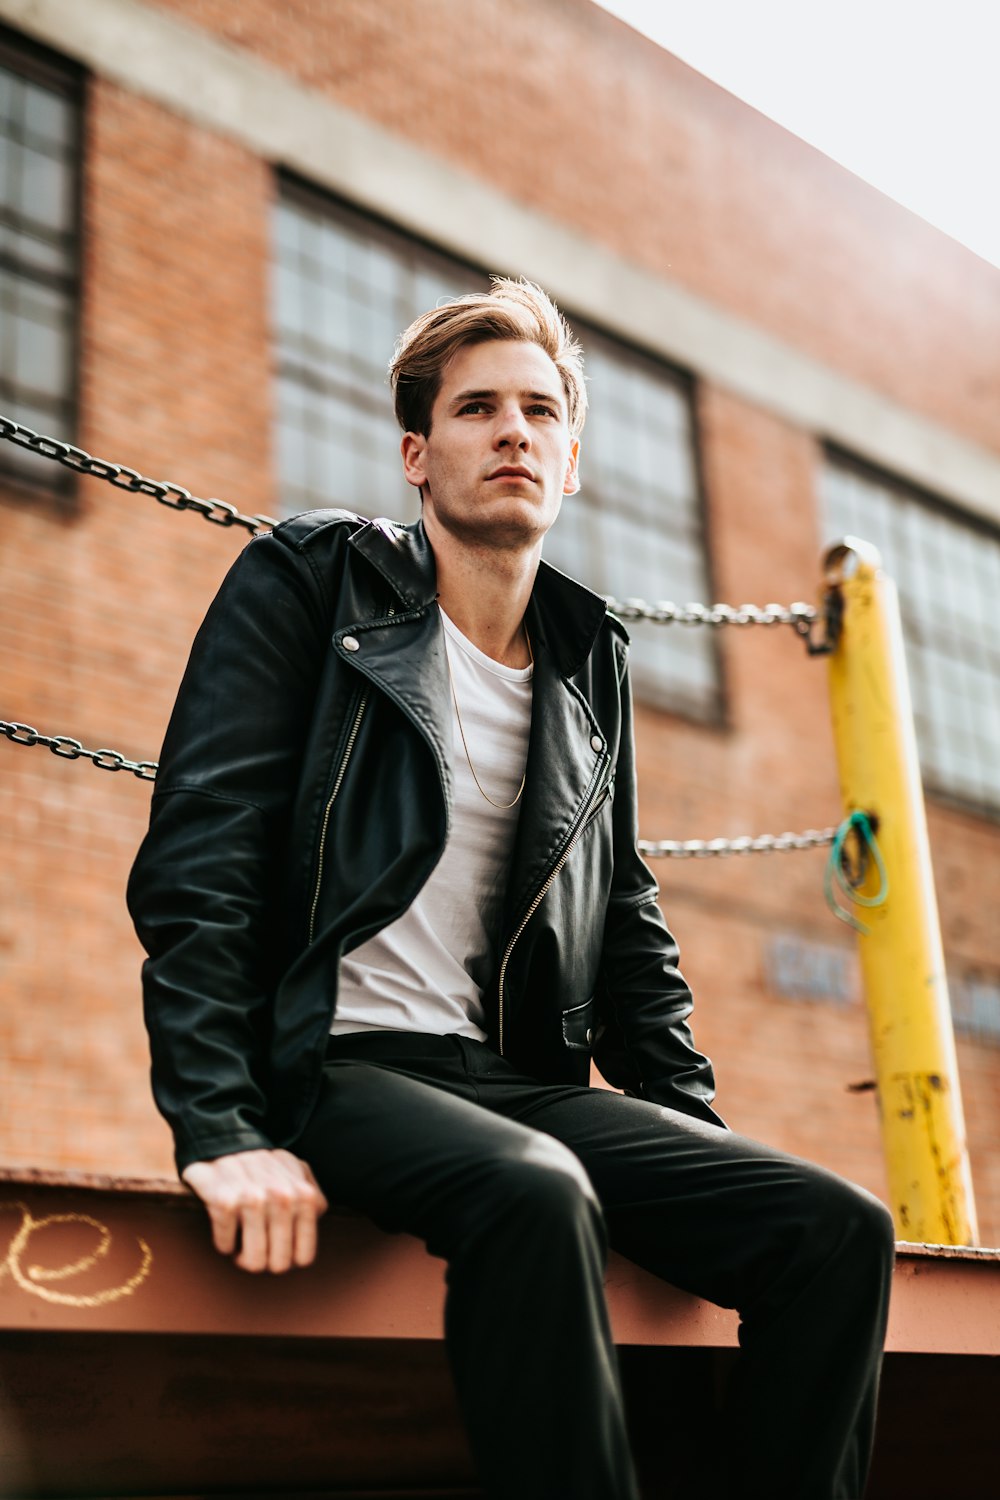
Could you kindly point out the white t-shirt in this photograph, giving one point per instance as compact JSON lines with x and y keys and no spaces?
{"x":427,"y":970}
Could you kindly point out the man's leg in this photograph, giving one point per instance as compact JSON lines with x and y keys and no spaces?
{"x":805,"y":1256}
{"x":398,"y":1133}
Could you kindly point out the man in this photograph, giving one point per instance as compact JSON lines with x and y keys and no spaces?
{"x":393,"y":905}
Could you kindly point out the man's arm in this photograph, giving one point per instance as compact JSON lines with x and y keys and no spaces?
{"x":647,"y":1045}
{"x":197,"y":895}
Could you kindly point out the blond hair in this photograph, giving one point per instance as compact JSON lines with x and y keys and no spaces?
{"x":514,"y":310}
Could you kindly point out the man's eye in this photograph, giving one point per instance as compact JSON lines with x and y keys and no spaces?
{"x":470,"y":406}
{"x":545,"y":410}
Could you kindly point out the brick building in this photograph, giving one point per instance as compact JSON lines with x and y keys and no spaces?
{"x":216,"y":216}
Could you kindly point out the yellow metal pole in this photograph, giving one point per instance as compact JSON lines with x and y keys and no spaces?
{"x":902,"y":959}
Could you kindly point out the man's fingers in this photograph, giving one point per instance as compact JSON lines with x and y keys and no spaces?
{"x":305,"y":1235}
{"x":280,"y":1230}
{"x":321,"y":1204}
{"x":253,"y":1254}
{"x":225,"y":1227}
{"x":263,"y":1203}
{"x":307,"y":1207}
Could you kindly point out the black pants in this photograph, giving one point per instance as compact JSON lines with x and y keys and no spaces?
{"x":520,"y":1187}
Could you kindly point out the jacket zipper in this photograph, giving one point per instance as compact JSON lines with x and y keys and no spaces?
{"x":589,"y":813}
{"x":341,"y":770}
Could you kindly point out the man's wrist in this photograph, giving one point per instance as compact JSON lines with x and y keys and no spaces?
{"x":210,"y":1148}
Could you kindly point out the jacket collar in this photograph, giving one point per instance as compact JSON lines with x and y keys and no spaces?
{"x":565,"y":615}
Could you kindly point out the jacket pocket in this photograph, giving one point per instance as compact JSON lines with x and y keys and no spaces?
{"x":577,"y":1026}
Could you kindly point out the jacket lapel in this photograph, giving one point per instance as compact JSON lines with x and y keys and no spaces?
{"x":405,"y":657}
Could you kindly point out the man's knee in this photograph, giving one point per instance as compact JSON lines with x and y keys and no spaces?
{"x":875,"y":1228}
{"x":839,"y":1212}
{"x":546,"y":1176}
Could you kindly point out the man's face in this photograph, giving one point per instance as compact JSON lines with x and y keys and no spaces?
{"x":499,"y":457}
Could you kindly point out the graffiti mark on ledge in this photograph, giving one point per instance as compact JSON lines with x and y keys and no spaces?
{"x":36,"y":1280}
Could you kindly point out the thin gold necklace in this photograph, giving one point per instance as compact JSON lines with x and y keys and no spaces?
{"x":503,"y":806}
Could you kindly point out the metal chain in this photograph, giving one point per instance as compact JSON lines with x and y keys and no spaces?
{"x":70,"y":749}
{"x":766,"y":843}
{"x":145,"y":770}
{"x":219,"y":512}
{"x":800,"y":616}
{"x":797,"y":615}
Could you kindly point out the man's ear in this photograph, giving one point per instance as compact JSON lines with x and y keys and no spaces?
{"x":412,"y":449}
{"x":571,"y":483}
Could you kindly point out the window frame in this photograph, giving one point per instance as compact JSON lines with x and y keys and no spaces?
{"x":59,"y":489}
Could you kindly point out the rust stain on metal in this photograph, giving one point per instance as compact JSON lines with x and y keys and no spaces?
{"x":927,"y":1085}
{"x":95,"y":1182}
{"x":978,"y":1253}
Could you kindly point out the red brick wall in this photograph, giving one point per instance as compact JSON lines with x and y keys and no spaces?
{"x":602,"y":130}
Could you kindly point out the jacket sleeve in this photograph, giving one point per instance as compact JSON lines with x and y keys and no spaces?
{"x":645,"y":1044}
{"x":197,"y":893}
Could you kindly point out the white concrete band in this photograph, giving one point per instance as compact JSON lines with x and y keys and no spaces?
{"x":227,"y":90}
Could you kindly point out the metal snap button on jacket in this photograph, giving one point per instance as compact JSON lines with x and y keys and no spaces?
{"x":351,"y":643}
{"x":596,"y":743}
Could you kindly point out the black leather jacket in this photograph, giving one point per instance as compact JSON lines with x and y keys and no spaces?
{"x":304,"y":796}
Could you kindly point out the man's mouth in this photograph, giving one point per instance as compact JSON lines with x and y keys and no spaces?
{"x":512,"y":471}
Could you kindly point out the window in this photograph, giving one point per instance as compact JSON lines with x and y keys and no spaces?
{"x":39,"y":237}
{"x":344,"y":286}
{"x":635,"y":528}
{"x":947,"y":569}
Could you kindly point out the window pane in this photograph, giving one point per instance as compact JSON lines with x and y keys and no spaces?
{"x":45,"y":195}
{"x":947,"y":570}
{"x":46,"y":118}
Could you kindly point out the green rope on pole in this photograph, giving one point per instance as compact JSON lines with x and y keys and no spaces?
{"x":849,"y":881}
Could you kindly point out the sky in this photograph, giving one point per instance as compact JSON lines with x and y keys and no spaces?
{"x":904,"y":93}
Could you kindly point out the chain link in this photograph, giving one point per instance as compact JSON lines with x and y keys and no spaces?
{"x":218,"y":512}
{"x":797,"y":615}
{"x":766,"y":843}
{"x":145,"y":770}
{"x":70,"y":749}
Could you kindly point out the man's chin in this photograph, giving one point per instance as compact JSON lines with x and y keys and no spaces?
{"x":515,"y":525}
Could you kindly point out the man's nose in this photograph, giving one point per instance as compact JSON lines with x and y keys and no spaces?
{"x":512,"y":428}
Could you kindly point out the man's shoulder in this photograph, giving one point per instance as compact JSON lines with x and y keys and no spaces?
{"x":614,"y":634}
{"x":617,"y":628}
{"x":316,"y":528}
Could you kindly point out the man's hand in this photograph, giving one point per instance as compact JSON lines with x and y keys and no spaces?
{"x":263,"y":1203}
